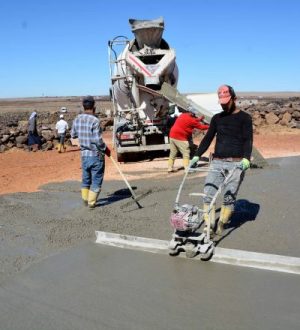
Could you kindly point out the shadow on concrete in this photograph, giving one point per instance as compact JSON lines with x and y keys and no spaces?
{"x":115,"y":197}
{"x":243,"y":211}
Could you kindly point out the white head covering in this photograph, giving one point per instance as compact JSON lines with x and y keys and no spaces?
{"x":33,"y":114}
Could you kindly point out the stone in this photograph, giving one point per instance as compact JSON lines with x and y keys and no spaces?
{"x":13,"y":132}
{"x":293,"y":124}
{"x":296,"y":114}
{"x":23,"y":125}
{"x":286,"y":118}
{"x":12,"y":123}
{"x":47,"y":146}
{"x":47,"y":135}
{"x":256,"y":114}
{"x":271,"y":107}
{"x":21,"y":139}
{"x":3,"y":148}
{"x":10,"y":144}
{"x":5,"y":138}
{"x":257,"y":121}
{"x":271,"y":118}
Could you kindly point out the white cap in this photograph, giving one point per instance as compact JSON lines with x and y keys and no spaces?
{"x":61,"y":116}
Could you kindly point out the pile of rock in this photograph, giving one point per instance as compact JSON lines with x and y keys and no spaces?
{"x":284,"y":112}
{"x":13,"y":129}
{"x":13,"y":126}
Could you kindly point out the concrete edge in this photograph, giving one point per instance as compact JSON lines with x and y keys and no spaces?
{"x":242,"y":258}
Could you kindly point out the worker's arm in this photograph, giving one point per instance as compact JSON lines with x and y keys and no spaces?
{"x":197,"y":122}
{"x":201,"y":126}
{"x":248,"y":142}
{"x":209,"y":136}
{"x":97,"y":137}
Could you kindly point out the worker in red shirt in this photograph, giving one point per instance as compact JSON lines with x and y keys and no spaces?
{"x":181,"y":137}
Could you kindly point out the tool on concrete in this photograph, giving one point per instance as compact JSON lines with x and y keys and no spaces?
{"x":186,"y":220}
{"x":135,"y":198}
{"x":138,"y":199}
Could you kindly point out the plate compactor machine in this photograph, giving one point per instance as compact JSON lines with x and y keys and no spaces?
{"x":187,"y":219}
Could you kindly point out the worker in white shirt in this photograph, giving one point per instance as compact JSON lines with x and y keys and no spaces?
{"x":61,"y":127}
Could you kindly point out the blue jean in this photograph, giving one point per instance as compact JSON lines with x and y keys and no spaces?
{"x":92,"y":172}
{"x":215,"y":178}
{"x":62,"y":137}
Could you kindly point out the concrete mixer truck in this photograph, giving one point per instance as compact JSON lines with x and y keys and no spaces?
{"x":138,"y":68}
{"x":144,"y":78}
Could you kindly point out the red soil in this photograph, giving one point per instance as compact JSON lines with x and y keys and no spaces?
{"x":23,"y":171}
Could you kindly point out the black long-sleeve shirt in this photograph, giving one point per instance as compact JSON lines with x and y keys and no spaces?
{"x":234,"y":135}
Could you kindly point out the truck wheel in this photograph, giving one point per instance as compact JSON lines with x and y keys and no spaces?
{"x":120,"y":158}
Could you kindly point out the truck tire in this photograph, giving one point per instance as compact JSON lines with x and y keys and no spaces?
{"x":120,"y":157}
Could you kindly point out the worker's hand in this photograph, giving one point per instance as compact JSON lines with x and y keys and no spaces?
{"x":244,"y":164}
{"x":194,"y":161}
{"x":107,"y":152}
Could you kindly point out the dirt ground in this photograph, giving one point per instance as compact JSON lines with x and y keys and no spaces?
{"x":41,"y":212}
{"x":23,"y":171}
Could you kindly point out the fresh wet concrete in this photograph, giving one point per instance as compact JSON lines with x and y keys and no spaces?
{"x":97,"y":287}
{"x":34,"y":226}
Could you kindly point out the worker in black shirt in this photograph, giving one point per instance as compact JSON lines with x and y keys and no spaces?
{"x":234,"y":136}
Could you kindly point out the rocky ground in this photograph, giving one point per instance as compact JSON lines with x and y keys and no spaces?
{"x":283,"y":110}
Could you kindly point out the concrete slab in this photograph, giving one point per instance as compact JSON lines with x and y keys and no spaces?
{"x":100,"y":287}
{"x":36,"y":225}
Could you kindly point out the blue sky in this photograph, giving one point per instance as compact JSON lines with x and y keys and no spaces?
{"x":59,"y":47}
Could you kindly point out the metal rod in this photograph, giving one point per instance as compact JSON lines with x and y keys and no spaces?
{"x":126,"y":181}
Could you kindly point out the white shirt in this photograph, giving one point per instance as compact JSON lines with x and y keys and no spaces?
{"x":61,"y":126}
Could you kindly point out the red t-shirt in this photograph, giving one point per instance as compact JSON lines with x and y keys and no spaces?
{"x":184,"y":125}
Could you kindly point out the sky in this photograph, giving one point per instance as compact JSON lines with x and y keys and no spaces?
{"x":60,"y":47}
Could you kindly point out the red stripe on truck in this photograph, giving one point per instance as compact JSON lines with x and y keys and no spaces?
{"x":134,"y":60}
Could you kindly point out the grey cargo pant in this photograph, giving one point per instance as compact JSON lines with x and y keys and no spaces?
{"x":215,"y":178}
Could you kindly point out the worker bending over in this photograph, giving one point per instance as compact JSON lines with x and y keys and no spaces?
{"x":181,"y":137}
